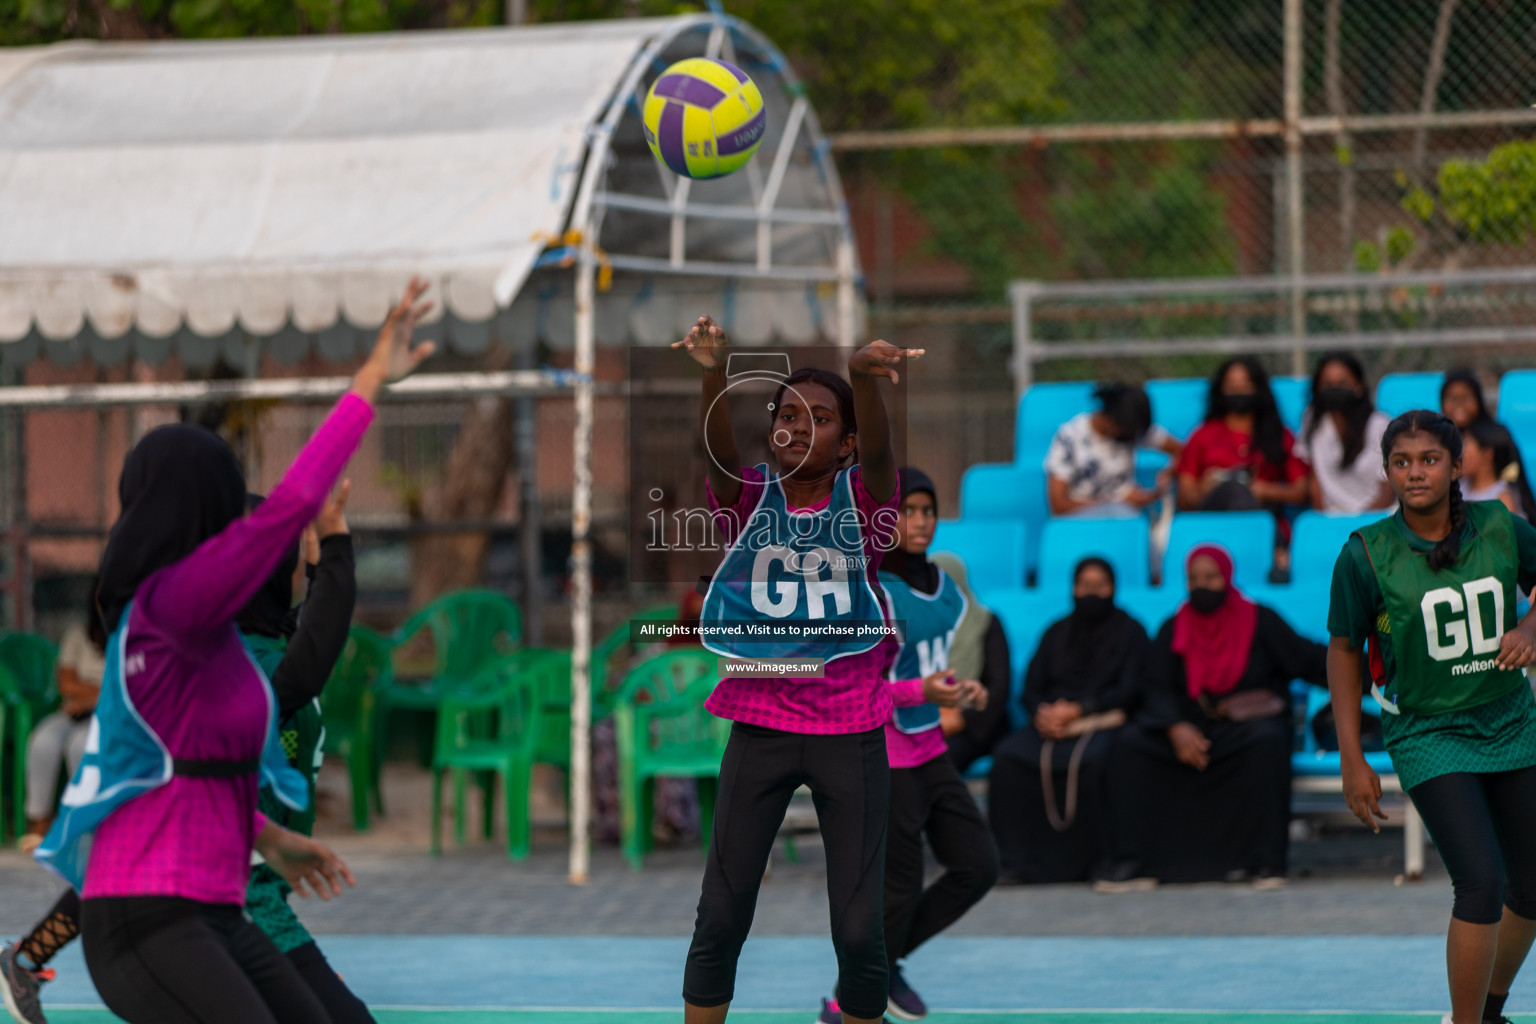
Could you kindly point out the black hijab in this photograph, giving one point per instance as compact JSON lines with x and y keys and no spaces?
{"x":1086,"y":649}
{"x":180,"y":485}
{"x":270,"y":612}
{"x":913,"y":566}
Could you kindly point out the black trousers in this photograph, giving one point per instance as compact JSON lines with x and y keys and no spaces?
{"x":165,"y":960}
{"x":1484,"y":826}
{"x":931,"y":800}
{"x":850,"y":782}
{"x":340,"y":1002}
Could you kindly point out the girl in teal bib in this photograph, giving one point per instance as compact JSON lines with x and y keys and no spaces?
{"x":1430,"y":594}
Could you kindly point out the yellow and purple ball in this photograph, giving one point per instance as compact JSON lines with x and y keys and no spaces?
{"x":704,"y":118}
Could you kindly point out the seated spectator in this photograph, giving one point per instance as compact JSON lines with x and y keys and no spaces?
{"x":1492,"y":470}
{"x":1082,"y":681}
{"x":1461,"y":399}
{"x":1091,"y":464}
{"x":1201,"y":783}
{"x":1340,"y":436}
{"x":979,"y":652}
{"x":1242,"y":457}
{"x":59,"y":739}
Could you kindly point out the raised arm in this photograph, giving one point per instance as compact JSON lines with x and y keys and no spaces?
{"x":210,"y":586}
{"x":706,"y":343}
{"x":877,"y":464}
{"x":326,"y":615}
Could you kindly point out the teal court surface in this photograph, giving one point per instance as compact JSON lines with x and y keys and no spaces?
{"x":531,"y":979}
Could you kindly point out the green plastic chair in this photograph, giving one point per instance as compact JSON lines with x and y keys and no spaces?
{"x":468,"y":629}
{"x":491,"y":725}
{"x":611,"y":654}
{"x":662,"y":729}
{"x":347,"y":703}
{"x":28,"y":691}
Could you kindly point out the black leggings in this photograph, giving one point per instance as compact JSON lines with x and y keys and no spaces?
{"x":932,"y":800}
{"x":165,"y":960}
{"x":339,"y":1001}
{"x":850,"y":782}
{"x":1484,"y":826}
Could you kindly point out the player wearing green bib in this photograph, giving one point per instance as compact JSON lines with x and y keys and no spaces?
{"x":1430,"y":592}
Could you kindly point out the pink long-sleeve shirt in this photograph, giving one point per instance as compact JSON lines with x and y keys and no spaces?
{"x":910,"y":749}
{"x":191,"y":679}
{"x":852,"y":697}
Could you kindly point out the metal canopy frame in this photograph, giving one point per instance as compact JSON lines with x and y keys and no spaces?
{"x":579,"y":249}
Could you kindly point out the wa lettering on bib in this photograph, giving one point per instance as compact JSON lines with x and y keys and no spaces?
{"x":796,"y":568}
{"x":1447,"y":626}
{"x":926,"y":625}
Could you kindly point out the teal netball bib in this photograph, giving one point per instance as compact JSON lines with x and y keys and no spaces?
{"x":794,"y":584}
{"x":925,"y":627}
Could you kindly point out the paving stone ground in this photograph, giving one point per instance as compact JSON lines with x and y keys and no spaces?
{"x":1345,"y":882}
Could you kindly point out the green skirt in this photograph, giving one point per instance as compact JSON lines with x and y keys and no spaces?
{"x":266,"y":900}
{"x":1499,"y":736}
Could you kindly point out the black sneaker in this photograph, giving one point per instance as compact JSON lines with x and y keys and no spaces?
{"x":19,"y":988}
{"x":830,"y":1013}
{"x":904,"y":1003}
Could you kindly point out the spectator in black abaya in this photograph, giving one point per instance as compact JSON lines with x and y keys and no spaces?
{"x":1083,"y":680}
{"x":1201,"y":787}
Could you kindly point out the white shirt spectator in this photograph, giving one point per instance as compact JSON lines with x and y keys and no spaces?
{"x":77,"y":652}
{"x":1096,"y":468}
{"x":1357,"y":488}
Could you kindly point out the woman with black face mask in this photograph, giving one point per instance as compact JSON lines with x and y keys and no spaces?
{"x":1047,"y":798}
{"x":1202,"y":781}
{"x":1340,"y":433}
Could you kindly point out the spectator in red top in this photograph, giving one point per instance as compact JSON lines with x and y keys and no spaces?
{"x":1242,"y":456}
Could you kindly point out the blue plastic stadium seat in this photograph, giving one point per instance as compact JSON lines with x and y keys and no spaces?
{"x":1150,"y":606}
{"x":1149,"y":463}
{"x":992,"y":550}
{"x":1045,"y":407}
{"x":1311,"y":761}
{"x":1318,"y":537}
{"x":1302,"y":604}
{"x":1025,"y":615}
{"x":1122,"y":541}
{"x":1398,"y":392}
{"x":999,"y":490}
{"x":1291,"y":395}
{"x":1517,"y":400}
{"x":980,"y":768}
{"x":1178,"y":405}
{"x":1248,"y":536}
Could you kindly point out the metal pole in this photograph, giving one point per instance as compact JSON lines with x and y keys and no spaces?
{"x":527,"y":439}
{"x":581,"y":571}
{"x":1294,"y":192}
{"x":847,"y":293}
{"x":1023,"y":294}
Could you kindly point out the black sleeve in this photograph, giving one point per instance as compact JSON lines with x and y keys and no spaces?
{"x":1125,"y":692}
{"x":1038,"y":688}
{"x":1165,"y":695}
{"x":323,"y":622}
{"x":1294,"y":657}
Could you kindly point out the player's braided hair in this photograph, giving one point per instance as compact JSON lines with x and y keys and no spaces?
{"x":1424,"y":421}
{"x":840,"y":388}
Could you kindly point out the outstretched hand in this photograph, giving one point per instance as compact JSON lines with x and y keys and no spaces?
{"x":394,"y":357}
{"x":307,"y":865}
{"x":880,"y":359}
{"x":705,"y":342}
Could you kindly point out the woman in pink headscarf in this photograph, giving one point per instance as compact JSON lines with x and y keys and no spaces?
{"x":1202,"y":783}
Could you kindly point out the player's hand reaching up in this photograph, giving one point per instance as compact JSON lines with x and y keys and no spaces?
{"x":705,"y":342}
{"x":880,"y":359}
{"x":393,"y":356}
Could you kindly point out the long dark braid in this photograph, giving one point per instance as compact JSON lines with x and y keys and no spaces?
{"x":1423,"y":421}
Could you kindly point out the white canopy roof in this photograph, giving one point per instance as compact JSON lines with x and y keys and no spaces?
{"x":206,"y":191}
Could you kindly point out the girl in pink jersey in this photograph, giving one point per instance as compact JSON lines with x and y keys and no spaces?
{"x":805,"y":544}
